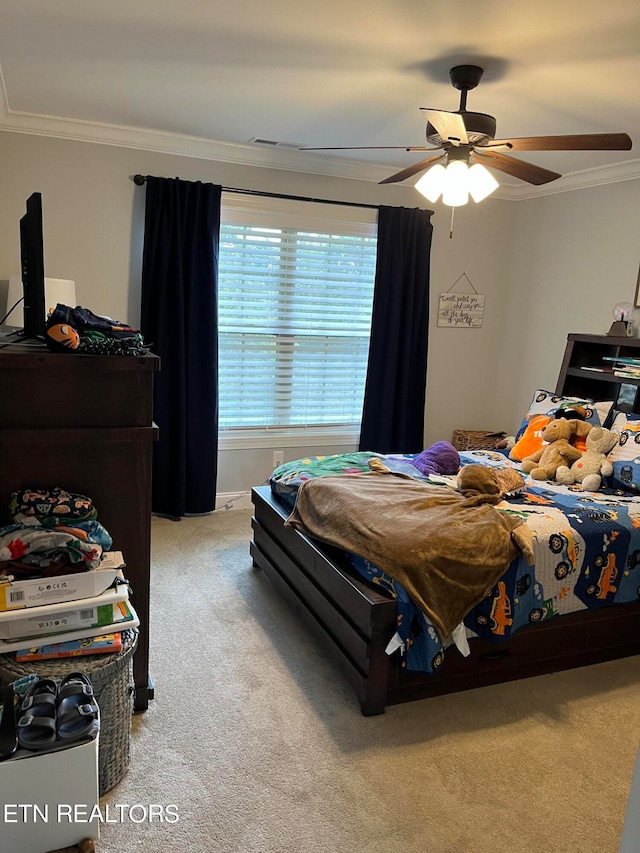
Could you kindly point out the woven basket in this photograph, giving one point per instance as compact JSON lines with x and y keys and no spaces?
{"x":475,"y":439}
{"x":112,"y":679}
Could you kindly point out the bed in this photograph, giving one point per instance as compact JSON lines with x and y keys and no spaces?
{"x":578,"y":605}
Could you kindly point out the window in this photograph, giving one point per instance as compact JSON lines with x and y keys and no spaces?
{"x":295,"y":299}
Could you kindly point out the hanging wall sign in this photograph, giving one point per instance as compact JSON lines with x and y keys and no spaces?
{"x":461,"y":310}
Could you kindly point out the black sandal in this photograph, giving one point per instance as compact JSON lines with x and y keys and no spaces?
{"x":37,"y":725}
{"x":78,"y":714}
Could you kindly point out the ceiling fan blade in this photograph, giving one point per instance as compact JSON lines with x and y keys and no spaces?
{"x":497,"y":145}
{"x":518,"y":168}
{"x":412,"y":170}
{"x":450,"y":126}
{"x":583,"y":142}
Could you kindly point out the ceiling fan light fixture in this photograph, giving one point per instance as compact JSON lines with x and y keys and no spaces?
{"x":481,"y":182}
{"x":431,"y":183}
{"x":455,"y":192}
{"x":450,"y":182}
{"x":456,"y":182}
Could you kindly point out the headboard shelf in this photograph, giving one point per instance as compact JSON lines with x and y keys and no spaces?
{"x":585,"y":373}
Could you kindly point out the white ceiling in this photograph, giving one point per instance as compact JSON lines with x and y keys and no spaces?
{"x":330,"y":72}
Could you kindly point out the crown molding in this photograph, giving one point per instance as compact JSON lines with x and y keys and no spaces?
{"x":599,"y":175}
{"x":145,"y":139}
{"x":189,"y":146}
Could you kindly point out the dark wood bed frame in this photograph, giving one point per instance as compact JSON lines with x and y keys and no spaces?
{"x":355,"y":621}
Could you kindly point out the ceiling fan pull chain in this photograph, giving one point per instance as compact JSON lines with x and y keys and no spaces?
{"x":453,"y":210}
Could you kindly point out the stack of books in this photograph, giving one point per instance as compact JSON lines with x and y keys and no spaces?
{"x":624,"y":366}
{"x":66,"y":615}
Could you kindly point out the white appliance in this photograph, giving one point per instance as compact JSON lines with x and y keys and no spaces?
{"x":55,"y":290}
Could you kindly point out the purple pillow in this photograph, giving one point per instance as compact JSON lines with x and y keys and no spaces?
{"x":440,"y":458}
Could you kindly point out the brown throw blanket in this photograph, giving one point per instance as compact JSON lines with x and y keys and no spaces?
{"x":447,"y":551}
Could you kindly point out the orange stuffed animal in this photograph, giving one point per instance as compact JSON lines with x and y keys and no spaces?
{"x":530,"y":440}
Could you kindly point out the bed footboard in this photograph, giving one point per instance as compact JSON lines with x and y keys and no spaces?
{"x":353,"y":620}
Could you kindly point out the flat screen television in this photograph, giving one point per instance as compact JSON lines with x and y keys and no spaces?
{"x":32,"y":264}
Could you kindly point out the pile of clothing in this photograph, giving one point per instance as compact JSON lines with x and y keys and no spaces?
{"x":79,"y":329}
{"x":54,"y":532}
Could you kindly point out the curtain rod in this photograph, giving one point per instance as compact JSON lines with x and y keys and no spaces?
{"x":139,"y":180}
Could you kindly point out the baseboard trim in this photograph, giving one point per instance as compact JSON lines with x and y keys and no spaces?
{"x":233,"y":500}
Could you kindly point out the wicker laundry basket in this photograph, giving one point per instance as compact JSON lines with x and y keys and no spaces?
{"x":113,"y":686}
{"x":475,"y":439}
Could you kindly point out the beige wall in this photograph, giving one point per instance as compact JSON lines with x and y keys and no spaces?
{"x":460,"y":373}
{"x":574,"y":256}
{"x":546,"y":266}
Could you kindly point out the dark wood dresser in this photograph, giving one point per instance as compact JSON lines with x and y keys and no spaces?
{"x":84,"y":422}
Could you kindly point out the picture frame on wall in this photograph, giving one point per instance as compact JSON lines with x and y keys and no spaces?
{"x":636,"y":298}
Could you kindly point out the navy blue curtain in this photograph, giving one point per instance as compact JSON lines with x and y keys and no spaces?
{"x":179,"y":319}
{"x":395,"y":390}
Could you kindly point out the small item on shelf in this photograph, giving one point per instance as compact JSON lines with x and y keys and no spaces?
{"x":621,"y":326}
{"x":112,"y":560}
{"x":52,"y":532}
{"x":80,"y":330}
{"x":623,"y":366}
{"x":63,"y":615}
{"x":633,"y":373}
{"x":100,"y":645}
{"x":32,"y":544}
{"x":598,"y":369}
{"x":621,"y":359}
{"x":37,"y":591}
{"x":122,"y":624}
{"x":52,"y":506}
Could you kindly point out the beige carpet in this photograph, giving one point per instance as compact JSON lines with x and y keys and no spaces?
{"x":260,"y":744}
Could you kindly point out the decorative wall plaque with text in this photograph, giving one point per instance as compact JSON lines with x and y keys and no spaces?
{"x":461,"y":310}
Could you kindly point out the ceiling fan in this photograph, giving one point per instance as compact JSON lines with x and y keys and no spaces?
{"x":470,"y":137}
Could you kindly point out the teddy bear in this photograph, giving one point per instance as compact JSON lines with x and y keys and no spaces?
{"x":557,"y":450}
{"x":594,"y":463}
{"x":530,"y":441}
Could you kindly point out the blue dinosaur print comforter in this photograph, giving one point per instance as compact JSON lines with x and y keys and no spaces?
{"x":586,"y":544}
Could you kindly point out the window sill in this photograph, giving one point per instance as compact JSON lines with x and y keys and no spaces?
{"x":255,"y":439}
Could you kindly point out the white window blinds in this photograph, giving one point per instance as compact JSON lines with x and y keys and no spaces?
{"x":295,"y":298}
